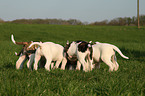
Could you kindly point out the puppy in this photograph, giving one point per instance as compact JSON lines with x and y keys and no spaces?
{"x":80,"y":51}
{"x":51,"y":51}
{"x":25,"y":54}
{"x":106,"y":53}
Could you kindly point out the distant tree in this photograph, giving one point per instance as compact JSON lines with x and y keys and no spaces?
{"x":104,"y":22}
{"x":1,"y":20}
{"x":121,"y":21}
{"x":142,"y":20}
{"x":134,"y":19}
{"x":128,"y":20}
{"x":114,"y":22}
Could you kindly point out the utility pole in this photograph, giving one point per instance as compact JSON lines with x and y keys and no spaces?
{"x":138,"y":13}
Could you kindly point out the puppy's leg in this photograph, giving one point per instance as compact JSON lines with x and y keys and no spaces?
{"x":84,"y":64}
{"x":21,"y":61}
{"x":30,"y":61}
{"x":107,"y":60}
{"x":81,"y":58}
{"x":114,"y":60}
{"x":87,"y":64}
{"x":47,"y":65}
{"x":57,"y":63}
{"x":90,"y":63}
{"x":37,"y":58}
{"x":78,"y":65}
{"x":64,"y":61}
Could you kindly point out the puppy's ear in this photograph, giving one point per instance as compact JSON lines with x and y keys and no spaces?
{"x":90,"y":41}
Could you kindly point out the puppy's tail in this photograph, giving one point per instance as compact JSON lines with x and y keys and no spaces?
{"x":18,"y":43}
{"x":118,"y":50}
{"x":12,"y":38}
{"x":35,"y":43}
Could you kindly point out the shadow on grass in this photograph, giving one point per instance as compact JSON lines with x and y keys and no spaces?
{"x":8,"y":65}
{"x":133,"y":54}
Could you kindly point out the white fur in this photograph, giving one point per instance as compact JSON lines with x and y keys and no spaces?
{"x":51,"y":51}
{"x":87,"y":65}
{"x":12,"y":38}
{"x":106,"y":53}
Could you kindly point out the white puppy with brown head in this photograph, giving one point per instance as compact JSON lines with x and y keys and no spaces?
{"x":24,"y":54}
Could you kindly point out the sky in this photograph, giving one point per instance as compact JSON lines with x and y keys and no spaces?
{"x":83,"y":10}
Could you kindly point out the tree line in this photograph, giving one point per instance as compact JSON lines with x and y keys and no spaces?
{"x":45,"y":21}
{"x":125,"y":21}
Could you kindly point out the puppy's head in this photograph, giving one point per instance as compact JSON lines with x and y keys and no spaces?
{"x":83,"y":46}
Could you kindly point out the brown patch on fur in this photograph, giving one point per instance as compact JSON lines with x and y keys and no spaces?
{"x":22,"y":43}
{"x":25,"y":50}
{"x":83,"y":46}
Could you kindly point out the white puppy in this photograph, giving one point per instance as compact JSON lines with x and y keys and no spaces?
{"x":51,"y":51}
{"x":106,"y":52}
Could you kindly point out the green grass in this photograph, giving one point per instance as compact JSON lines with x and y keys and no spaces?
{"x":129,"y":80}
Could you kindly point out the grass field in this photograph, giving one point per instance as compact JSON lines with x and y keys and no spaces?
{"x":129,"y":80}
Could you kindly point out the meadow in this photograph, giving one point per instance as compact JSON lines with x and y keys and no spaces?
{"x":129,"y":80}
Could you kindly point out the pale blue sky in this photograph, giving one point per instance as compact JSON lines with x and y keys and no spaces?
{"x":84,"y":10}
